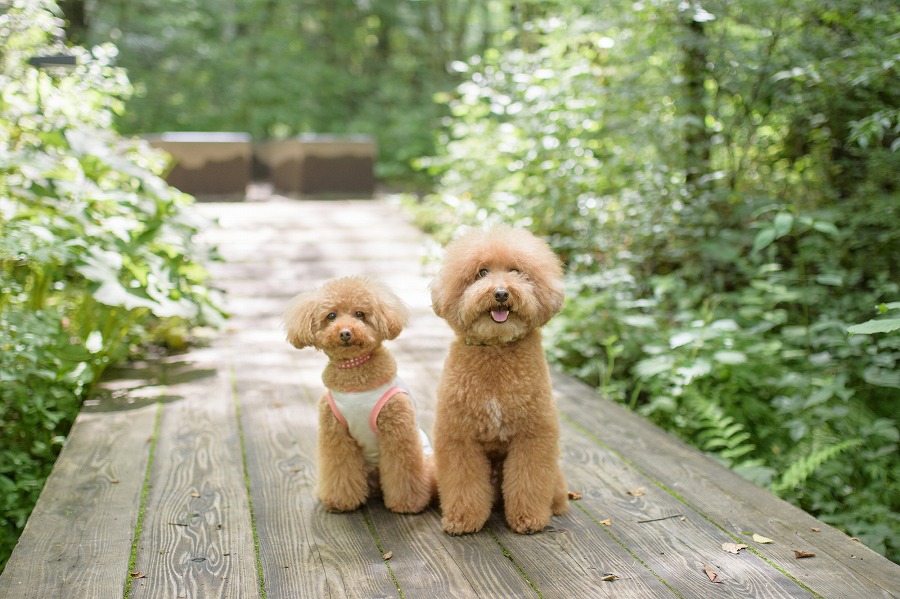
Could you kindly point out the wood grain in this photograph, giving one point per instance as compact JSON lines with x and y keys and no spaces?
{"x":730,"y":502}
{"x":197,"y":538}
{"x":78,"y":540}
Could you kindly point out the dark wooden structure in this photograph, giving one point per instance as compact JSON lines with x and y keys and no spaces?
{"x":194,"y":476}
{"x":208,"y":163}
{"x":320,"y":164}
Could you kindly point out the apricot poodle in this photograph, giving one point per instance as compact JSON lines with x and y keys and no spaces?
{"x":369,"y":439}
{"x":496,"y":426}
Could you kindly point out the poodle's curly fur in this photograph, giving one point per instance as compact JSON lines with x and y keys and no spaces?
{"x":348,"y":319}
{"x":496,"y":424}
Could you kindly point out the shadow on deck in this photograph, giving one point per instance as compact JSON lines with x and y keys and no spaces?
{"x":194,"y":477}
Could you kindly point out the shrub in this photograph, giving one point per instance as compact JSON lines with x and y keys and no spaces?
{"x":96,"y":251}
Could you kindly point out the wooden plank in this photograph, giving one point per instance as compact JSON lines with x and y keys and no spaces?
{"x":677,"y":550}
{"x":197,"y":538}
{"x":78,"y":539}
{"x":426,"y":562}
{"x":571,"y":557}
{"x":733,"y":504}
{"x":305,"y":551}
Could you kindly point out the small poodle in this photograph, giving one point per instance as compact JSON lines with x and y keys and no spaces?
{"x":496,"y":427}
{"x":369,"y":439}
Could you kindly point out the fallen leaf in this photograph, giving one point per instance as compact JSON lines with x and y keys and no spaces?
{"x":762,"y":539}
{"x":639,"y":492}
{"x":137,"y":575}
{"x":195,"y":494}
{"x":387,"y":555}
{"x":814,"y":529}
{"x":114,"y":481}
{"x":607,"y":522}
{"x":711,"y":574}
{"x":574,"y":495}
{"x":733,"y":547}
{"x":855,"y":539}
{"x":800,"y":554}
{"x":609,"y":578}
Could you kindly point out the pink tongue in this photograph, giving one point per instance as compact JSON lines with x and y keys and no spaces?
{"x":499,"y":315}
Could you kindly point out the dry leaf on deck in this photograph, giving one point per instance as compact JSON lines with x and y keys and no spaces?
{"x":800,"y":554}
{"x":609,"y":578}
{"x":639,"y":492}
{"x":195,"y":494}
{"x":607,"y":522}
{"x":137,"y":575}
{"x":712,"y":575}
{"x":762,"y":539}
{"x":574,"y":495}
{"x":388,"y":555}
{"x":733,"y":547}
{"x":814,"y":529}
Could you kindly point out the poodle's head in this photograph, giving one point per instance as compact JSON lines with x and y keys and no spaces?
{"x":345,"y":318}
{"x":495,"y":286}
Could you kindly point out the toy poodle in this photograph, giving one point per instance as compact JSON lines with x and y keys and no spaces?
{"x":369,"y":439}
{"x":496,"y":428}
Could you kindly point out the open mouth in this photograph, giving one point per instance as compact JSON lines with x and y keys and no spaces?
{"x":499,"y":313}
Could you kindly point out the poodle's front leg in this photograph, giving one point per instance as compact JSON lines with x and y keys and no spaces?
{"x":407,"y":478}
{"x":531,"y":483}
{"x":464,"y":484}
{"x":343,"y":484}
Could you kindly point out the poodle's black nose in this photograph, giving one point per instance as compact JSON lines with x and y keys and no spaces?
{"x":346,"y":335}
{"x":501,"y":295}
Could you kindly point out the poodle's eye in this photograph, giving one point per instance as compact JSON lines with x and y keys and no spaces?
{"x":331,"y":316}
{"x":483,"y":273}
{"x":360,"y":315}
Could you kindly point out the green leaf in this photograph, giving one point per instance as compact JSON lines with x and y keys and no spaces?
{"x":886,"y":325}
{"x":783,"y":223}
{"x":654,"y":366}
{"x":826,"y":227}
{"x":832,"y":280}
{"x":763,"y":239}
{"x":730,"y":357}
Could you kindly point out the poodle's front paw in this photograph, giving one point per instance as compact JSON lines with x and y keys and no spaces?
{"x":341,"y":504}
{"x":460,"y":526}
{"x":408,"y":505}
{"x":526,"y":524}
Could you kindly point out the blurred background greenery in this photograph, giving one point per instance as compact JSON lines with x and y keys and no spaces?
{"x":721,"y":179}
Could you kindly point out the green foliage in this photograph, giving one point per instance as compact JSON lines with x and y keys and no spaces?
{"x":276,"y":68}
{"x":721,"y":183}
{"x":96,"y":252}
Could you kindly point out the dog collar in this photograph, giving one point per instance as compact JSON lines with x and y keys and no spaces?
{"x":353,"y":363}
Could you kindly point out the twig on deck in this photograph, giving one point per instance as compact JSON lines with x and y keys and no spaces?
{"x":659,"y":519}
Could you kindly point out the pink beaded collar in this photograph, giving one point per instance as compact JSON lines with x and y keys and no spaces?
{"x":353,"y":363}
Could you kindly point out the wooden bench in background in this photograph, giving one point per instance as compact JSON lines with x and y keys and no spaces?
{"x":194,"y":476}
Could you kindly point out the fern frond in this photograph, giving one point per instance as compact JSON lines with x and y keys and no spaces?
{"x":804,"y":467}
{"x":717,"y":432}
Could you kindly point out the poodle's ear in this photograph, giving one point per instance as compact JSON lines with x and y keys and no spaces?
{"x":390,"y":314}
{"x":437,"y":296}
{"x":555,"y":297}
{"x":299,"y":319}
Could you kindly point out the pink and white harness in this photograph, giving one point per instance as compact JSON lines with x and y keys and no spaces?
{"x":358,"y":411}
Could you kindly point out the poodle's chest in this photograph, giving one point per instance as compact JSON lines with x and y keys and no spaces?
{"x":492,"y":424}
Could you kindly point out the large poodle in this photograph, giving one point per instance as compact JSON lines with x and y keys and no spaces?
{"x":496,"y":422}
{"x":368,"y":435}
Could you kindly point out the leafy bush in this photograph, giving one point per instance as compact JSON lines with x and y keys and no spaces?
{"x":719,"y":245}
{"x":96,"y":251}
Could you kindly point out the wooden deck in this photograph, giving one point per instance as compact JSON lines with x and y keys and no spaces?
{"x":195,"y":477}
